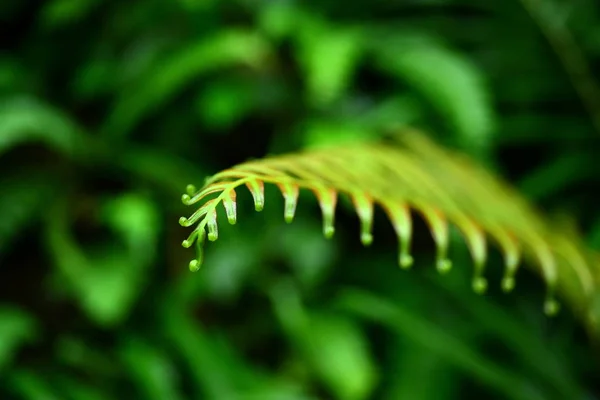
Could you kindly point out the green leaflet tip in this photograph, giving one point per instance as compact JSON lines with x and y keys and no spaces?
{"x":406,"y":261}
{"x":185,"y":199}
{"x":508,"y":284}
{"x":257,"y":189}
{"x":364,"y":208}
{"x":551,"y":307}
{"x":289,"y":210}
{"x":327,"y":202}
{"x":290,"y":195}
{"x":187,"y":243}
{"x":444,"y":266}
{"x":183,"y":221}
{"x":230,"y":210}
{"x":366,"y":238}
{"x":213,"y":231}
{"x":230,"y":206}
{"x":194,"y":265}
{"x":190,"y":190}
{"x":211,"y":223}
{"x":479,"y":285}
{"x":328,"y":231}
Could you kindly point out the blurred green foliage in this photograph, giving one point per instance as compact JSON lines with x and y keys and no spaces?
{"x":108,"y":109}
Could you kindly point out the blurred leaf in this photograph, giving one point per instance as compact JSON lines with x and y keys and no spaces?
{"x":195,"y":5}
{"x":166,"y":170}
{"x":594,"y":235}
{"x":94,"y":79}
{"x":108,"y":282}
{"x":436,"y":339}
{"x":276,"y":391}
{"x":60,"y":12}
{"x":22,"y":199}
{"x":152,"y":370}
{"x":452,"y":83}
{"x":311,"y":256}
{"x":339,"y":353}
{"x":533,"y":128}
{"x":12,"y":74}
{"x":391,"y":114}
{"x":419,"y":374}
{"x":324,"y":133}
{"x":289,"y":310}
{"x":74,"y":389}
{"x":78,"y":354}
{"x":230,"y":47}
{"x":329,"y":56}
{"x":211,"y":376}
{"x":232,"y":264}
{"x":333,"y":346}
{"x":223,"y":103}
{"x":105,"y":294}
{"x":134,"y":218}
{"x":359,"y":120}
{"x":279,"y":19}
{"x":104,"y":74}
{"x":533,"y":352}
{"x":16,"y":327}
{"x":31,"y":386}
{"x":557,"y":175}
{"x":25,"y":119}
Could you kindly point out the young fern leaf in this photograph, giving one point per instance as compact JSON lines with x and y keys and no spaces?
{"x":413,"y":174}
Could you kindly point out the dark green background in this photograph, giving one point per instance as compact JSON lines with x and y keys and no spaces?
{"x":108,"y":109}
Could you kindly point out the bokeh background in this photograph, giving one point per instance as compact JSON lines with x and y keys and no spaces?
{"x":108,"y":109}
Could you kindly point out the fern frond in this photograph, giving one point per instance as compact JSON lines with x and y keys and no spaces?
{"x":413,"y":174}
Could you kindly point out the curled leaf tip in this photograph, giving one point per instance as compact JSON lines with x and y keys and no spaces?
{"x":366,"y":238}
{"x":405,"y":261}
{"x":257,"y":189}
{"x":328,"y":231}
{"x":479,"y":285}
{"x":183,"y":221}
{"x":288,"y":217}
{"x":439,"y":231}
{"x":232,"y":219}
{"x":551,"y":307}
{"x":364,"y":208}
{"x":186,"y":199}
{"x":190,"y":190}
{"x":443,"y":266}
{"x":187,"y":243}
{"x":477,"y":244}
{"x":327,"y":202}
{"x":508,"y":284}
{"x":194,"y":265}
{"x":510,"y":268}
{"x":290,"y":195}
{"x":289,"y":212}
{"x":399,"y":215}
